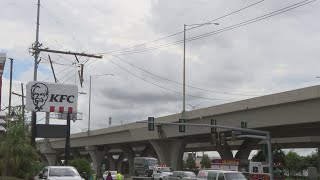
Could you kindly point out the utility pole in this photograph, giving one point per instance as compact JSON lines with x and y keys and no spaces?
{"x":22,"y":100}
{"x":10,"y":88}
{"x":36,"y":55}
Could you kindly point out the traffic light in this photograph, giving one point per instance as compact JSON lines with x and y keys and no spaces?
{"x":182,"y":128}
{"x":150,"y":123}
{"x":213,"y":129}
{"x":244,"y":126}
{"x":222,"y":139}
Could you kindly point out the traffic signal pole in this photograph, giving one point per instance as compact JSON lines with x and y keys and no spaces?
{"x":265,"y":135}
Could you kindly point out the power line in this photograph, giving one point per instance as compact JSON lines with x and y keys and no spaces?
{"x":228,"y":28}
{"x":177,"y":92}
{"x":92,"y":62}
{"x":180,"y":32}
{"x":161,"y":77}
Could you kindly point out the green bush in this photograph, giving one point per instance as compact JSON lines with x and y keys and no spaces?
{"x":82,"y":165}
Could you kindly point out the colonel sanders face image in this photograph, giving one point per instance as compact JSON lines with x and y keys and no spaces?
{"x":39,"y":95}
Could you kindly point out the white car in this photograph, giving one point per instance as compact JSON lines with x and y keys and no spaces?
{"x":59,"y":173}
{"x":203,"y":174}
{"x":161,"y":173}
{"x":226,"y":175}
{"x":113,"y":175}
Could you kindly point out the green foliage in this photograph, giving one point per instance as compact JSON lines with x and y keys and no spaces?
{"x":279,"y":156}
{"x":259,"y":157}
{"x":190,"y":163}
{"x":205,"y":161}
{"x":292,"y":162}
{"x":16,"y":153}
{"x":81,"y":165}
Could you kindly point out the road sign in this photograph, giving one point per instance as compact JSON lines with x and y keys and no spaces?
{"x":74,"y":116}
{"x":51,"y":97}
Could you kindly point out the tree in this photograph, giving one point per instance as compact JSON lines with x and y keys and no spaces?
{"x":17,"y":156}
{"x":279,"y":156}
{"x":259,"y":157}
{"x":205,"y":161}
{"x":190,"y":162}
{"x":82,"y":165}
{"x":313,"y":159}
{"x":292,"y":161}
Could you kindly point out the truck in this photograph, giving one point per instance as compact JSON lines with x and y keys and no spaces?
{"x":143,"y":166}
{"x":148,"y":168}
{"x":253,"y":170}
{"x":260,"y":170}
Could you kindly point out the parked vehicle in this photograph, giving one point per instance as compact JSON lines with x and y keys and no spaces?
{"x":113,"y":175}
{"x":161,"y":173}
{"x":259,"y":170}
{"x":143,"y":166}
{"x":60,"y":173}
{"x":203,"y":174}
{"x":182,"y":175}
{"x":225,"y":175}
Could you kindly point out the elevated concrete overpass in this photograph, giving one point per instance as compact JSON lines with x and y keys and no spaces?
{"x":292,"y":114}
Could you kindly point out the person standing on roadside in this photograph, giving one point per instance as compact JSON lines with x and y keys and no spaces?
{"x":119,"y":176}
{"x":109,"y":177}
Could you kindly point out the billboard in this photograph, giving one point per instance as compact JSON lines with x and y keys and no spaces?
{"x":51,"y":97}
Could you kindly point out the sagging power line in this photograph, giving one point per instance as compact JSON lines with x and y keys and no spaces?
{"x":228,"y":28}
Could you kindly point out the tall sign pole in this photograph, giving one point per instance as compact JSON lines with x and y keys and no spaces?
{"x":36,"y":55}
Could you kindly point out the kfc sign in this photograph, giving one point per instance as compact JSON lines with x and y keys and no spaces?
{"x":51,"y":97}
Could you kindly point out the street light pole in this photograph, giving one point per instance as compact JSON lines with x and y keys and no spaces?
{"x":184,"y":62}
{"x":184,"y":71}
{"x":89,"y":118}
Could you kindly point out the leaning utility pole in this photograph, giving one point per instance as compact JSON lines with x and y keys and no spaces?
{"x":36,"y":55}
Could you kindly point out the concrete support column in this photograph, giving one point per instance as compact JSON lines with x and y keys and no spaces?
{"x":51,"y":158}
{"x":149,"y":152}
{"x":245,"y":149}
{"x":129,"y":153}
{"x":225,"y":151}
{"x":97,"y":156}
{"x":119,"y":162}
{"x":170,"y":152}
{"x":50,"y":155}
{"x":112,"y":162}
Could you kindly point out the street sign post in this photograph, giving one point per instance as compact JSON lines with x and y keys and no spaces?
{"x":52,"y":97}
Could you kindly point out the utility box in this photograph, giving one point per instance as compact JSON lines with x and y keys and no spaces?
{"x":312,"y":173}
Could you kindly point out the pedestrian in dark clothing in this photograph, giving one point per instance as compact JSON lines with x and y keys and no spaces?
{"x":109,"y":177}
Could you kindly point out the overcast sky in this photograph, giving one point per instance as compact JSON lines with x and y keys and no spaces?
{"x":265,"y":57}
